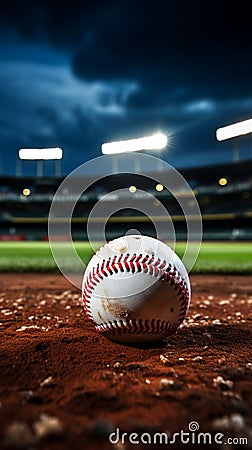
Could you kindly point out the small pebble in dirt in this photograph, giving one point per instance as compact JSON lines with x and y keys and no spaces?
{"x":165,"y":383}
{"x":19,"y":435}
{"x":181,"y":360}
{"x":147,"y":381}
{"x":196,"y":316}
{"x":224,"y":302}
{"x":234,"y":422}
{"x":47,"y":382}
{"x":27,"y":395}
{"x":222,"y":360}
{"x":47,"y":426}
{"x":222,"y":384}
{"x":165,"y":360}
{"x":216,"y":322}
{"x":230,"y":394}
{"x":207,"y":302}
{"x":199,"y":359}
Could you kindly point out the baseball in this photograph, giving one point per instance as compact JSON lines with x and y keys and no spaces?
{"x":136,"y":289}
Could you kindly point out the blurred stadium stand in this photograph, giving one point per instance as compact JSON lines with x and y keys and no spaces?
{"x":226,"y":209}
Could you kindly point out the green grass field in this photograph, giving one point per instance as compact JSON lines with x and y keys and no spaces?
{"x":214,"y":257}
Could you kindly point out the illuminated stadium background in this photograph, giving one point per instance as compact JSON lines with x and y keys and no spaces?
{"x":224,"y":194}
{"x":74,"y":75}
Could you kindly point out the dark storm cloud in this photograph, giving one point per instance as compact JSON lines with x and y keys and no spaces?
{"x":78,"y":73}
{"x":201,"y":47}
{"x":204,"y":45}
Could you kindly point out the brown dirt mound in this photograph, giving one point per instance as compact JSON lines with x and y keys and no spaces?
{"x":63,"y":386}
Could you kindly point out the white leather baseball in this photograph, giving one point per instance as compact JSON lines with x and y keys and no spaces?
{"x":135,"y":289}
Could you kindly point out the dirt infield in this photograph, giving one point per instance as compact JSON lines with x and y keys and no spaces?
{"x":63,"y":386}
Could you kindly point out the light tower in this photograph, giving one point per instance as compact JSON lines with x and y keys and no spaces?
{"x":40,"y":155}
{"x":155,"y":142}
{"x":233,"y":131}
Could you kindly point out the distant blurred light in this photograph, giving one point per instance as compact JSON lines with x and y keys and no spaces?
{"x":234,"y":130}
{"x":132,"y":189}
{"x":159,"y":187}
{"x":40,"y":153}
{"x":155,"y":142}
{"x":26,"y":192}
{"x":223,"y":181}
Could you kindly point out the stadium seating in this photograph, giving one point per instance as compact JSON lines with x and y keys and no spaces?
{"x":226,"y":208}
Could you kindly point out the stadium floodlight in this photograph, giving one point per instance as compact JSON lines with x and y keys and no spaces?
{"x":234,"y":130}
{"x":40,"y":153}
{"x":155,"y":142}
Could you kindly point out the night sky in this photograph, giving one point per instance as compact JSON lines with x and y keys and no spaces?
{"x":76,"y":74}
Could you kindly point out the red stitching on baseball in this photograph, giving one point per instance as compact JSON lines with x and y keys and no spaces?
{"x":126,"y":266}
{"x":163,"y":328}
